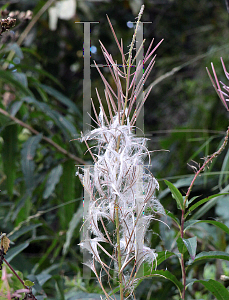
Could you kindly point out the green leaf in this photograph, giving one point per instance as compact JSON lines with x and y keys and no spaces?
{"x":216,"y":288}
{"x":72,"y":226}
{"x":43,"y":277}
{"x":190,"y":223}
{"x":9,"y":155}
{"x":191,"y":245}
{"x":15,"y":251}
{"x":27,"y":155}
{"x":22,"y":230}
{"x":38,"y":281}
{"x":15,"y":107}
{"x":61,"y":98}
{"x":167,"y":275}
{"x":28,"y":283}
{"x":202,"y":201}
{"x":8,"y":76}
{"x":53,"y":179}
{"x":21,"y":77}
{"x":212,"y":255}
{"x":192,"y":199}
{"x":59,"y":120}
{"x":181,"y":246}
{"x":37,"y":69}
{"x":207,"y":206}
{"x":176,"y":194}
{"x":59,"y":287}
{"x":3,"y":7}
{"x":171,"y":215}
{"x":184,"y":182}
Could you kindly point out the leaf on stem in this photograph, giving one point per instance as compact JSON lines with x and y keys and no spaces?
{"x":212,"y":255}
{"x":202,"y":201}
{"x":176,"y":194}
{"x":190,"y":223}
{"x":191,"y":245}
{"x":216,"y":288}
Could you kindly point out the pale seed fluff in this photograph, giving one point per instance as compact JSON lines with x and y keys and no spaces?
{"x":118,"y":178}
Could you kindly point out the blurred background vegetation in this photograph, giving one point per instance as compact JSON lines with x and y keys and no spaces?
{"x":41,"y":85}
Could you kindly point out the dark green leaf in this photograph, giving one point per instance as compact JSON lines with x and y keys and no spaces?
{"x":171,"y":215}
{"x":15,"y":107}
{"x":15,"y":251}
{"x":60,"y":97}
{"x":27,"y":155}
{"x":53,"y":179}
{"x":167,"y":275}
{"x":9,"y":155}
{"x":212,"y":255}
{"x":37,"y":286}
{"x":59,"y":287}
{"x":181,"y":246}
{"x":68,"y":193}
{"x":191,"y":245}
{"x":77,"y":217}
{"x":216,"y":288}
{"x":59,"y":120}
{"x":43,"y":277}
{"x":207,"y":206}
{"x":190,"y":223}
{"x":176,"y":194}
{"x":8,"y":76}
{"x":22,"y":230}
{"x":194,"y":206}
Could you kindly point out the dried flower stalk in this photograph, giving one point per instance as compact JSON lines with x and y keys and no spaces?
{"x":121,"y":189}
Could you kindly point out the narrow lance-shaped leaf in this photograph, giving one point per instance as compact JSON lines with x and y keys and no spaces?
{"x":212,"y":255}
{"x":61,"y":98}
{"x":9,"y":156}
{"x":15,"y":251}
{"x":202,"y":201}
{"x":207,"y":206}
{"x":216,"y":288}
{"x":171,"y":215}
{"x":176,"y":194}
{"x":53,"y":179}
{"x":27,"y":155}
{"x":220,"y":225}
{"x":167,"y":275}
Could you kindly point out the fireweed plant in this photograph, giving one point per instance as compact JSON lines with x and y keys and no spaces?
{"x":113,"y":182}
{"x":122,"y":190}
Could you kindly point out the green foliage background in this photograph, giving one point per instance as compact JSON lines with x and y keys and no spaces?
{"x":41,"y":199}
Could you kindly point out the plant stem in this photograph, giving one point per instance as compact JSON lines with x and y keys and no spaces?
{"x":118,"y":250}
{"x":182,"y":255}
{"x":207,"y":161}
{"x":18,"y":277}
{"x":117,"y":149}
